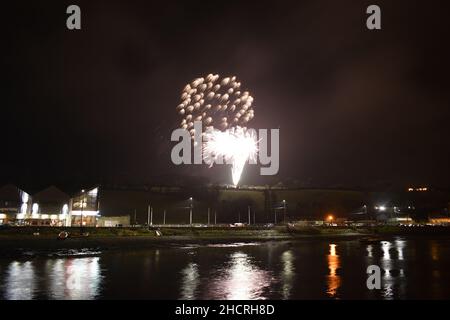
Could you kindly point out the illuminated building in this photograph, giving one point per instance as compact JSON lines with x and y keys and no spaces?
{"x":49,"y":208}
{"x":15,"y":205}
{"x":84,"y":208}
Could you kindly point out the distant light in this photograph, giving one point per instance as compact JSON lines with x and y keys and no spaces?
{"x":85,"y":213}
{"x":23,"y":208}
{"x":93,"y":192}
{"x":330,"y":218}
{"x":190,"y":198}
{"x":420,"y":189}
{"x":382,"y":208}
{"x":25,"y":197}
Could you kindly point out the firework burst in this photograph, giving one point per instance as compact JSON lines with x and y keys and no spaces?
{"x":224,"y":111}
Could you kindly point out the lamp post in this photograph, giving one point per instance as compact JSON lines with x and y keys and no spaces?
{"x":190,"y":210}
{"x":81,"y":215}
{"x":151,"y":216}
{"x":284,"y":211}
{"x":330,"y":219}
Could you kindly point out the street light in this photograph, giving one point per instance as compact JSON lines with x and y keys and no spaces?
{"x":284,"y":211}
{"x":190,"y":210}
{"x":82,"y":202}
{"x":330,"y":218}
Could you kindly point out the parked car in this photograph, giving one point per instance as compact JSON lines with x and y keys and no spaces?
{"x":199,"y":225}
{"x":237,"y":224}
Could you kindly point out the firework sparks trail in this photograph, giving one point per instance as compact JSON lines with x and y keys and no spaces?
{"x":235,"y":146}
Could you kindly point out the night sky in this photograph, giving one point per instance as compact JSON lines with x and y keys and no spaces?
{"x":355,"y":108}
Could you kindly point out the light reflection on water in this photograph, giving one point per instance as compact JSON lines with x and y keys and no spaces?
{"x":190,"y":281}
{"x":333,"y":279}
{"x":74,"y":279}
{"x":68,"y":278}
{"x":278,"y":270}
{"x":391,"y":264}
{"x":240,"y":279}
{"x":400,"y":245}
{"x":288,"y":273}
{"x":20,"y":281}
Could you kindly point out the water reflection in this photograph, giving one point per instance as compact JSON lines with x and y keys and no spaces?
{"x":190,"y":281}
{"x":411,"y":269}
{"x":77,"y":278}
{"x":288,"y":273}
{"x":391,"y":257}
{"x":333,"y":279}
{"x":369,"y":251}
{"x":20,"y":281}
{"x":386,"y":265}
{"x":240,"y":279}
{"x":386,"y":258}
{"x":392,"y":269}
{"x":434,"y":249}
{"x":400,"y":245}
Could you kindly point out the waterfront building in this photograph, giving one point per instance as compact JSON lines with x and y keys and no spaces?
{"x":15,"y":205}
{"x":50,"y":208}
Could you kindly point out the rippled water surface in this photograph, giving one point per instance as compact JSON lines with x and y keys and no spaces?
{"x":311,"y":269}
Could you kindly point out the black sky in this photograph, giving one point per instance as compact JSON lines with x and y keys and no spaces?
{"x":354,"y":107}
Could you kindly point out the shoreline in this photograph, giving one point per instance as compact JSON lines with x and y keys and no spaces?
{"x":16,"y":243}
{"x":33,"y":246}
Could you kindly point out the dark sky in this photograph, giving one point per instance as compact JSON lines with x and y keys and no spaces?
{"x":354,"y":107}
